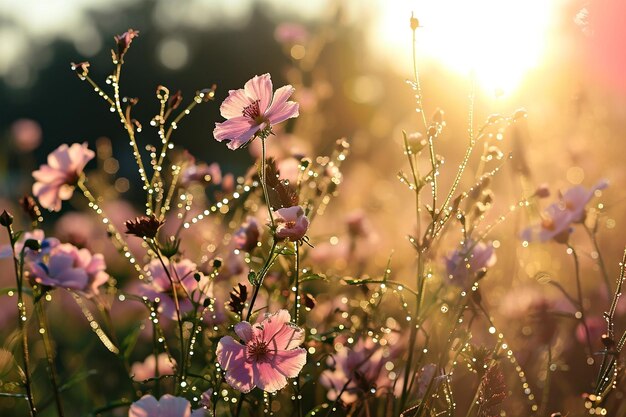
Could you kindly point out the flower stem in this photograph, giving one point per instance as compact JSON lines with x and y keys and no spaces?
{"x":45,"y":330}
{"x":181,"y":334}
{"x":296,"y":308}
{"x":21,"y":318}
{"x":264,"y":184}
{"x":580,"y":299}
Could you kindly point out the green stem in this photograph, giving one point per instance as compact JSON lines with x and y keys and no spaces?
{"x":181,"y":333}
{"x":21,"y":318}
{"x":45,"y":330}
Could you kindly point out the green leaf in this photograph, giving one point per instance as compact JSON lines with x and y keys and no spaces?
{"x":129,"y":342}
{"x":309,"y":276}
{"x":77,"y":378}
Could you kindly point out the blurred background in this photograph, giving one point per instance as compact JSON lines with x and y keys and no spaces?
{"x":564,"y":61}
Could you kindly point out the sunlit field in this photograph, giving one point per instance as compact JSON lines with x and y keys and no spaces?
{"x":324,"y":208}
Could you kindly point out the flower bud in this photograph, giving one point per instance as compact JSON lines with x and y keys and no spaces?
{"x":6,"y":219}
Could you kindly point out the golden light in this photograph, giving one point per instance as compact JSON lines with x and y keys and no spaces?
{"x":500,"y":41}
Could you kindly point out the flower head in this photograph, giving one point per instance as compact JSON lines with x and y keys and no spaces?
{"x":55,"y":180}
{"x":252,"y":109}
{"x":140,"y":371}
{"x":269,"y":355}
{"x":189,"y":290}
{"x":558,"y":218}
{"x":145,"y":226}
{"x":463,"y":264}
{"x":123,"y":42}
{"x":66,"y":266}
{"x":247,"y":236}
{"x":166,"y":406}
{"x":359,"y":371}
{"x":291,"y":223}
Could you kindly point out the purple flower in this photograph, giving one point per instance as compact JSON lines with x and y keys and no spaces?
{"x":463,"y":264}
{"x":167,"y":406}
{"x":247,"y":236}
{"x":291,"y":223}
{"x":187,"y":288}
{"x":252,"y":109}
{"x":557,"y":219}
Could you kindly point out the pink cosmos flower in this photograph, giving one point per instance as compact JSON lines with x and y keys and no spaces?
{"x":269,"y":355}
{"x":185,"y":285}
{"x":140,"y":371}
{"x":55,"y":180}
{"x":291,"y":223}
{"x":167,"y":406}
{"x":463,"y":264}
{"x":247,"y":237}
{"x":253,"y":109}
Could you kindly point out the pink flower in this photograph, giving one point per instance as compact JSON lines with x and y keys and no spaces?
{"x":188,"y":290}
{"x":94,"y":266}
{"x":140,"y":371}
{"x":463,"y":264}
{"x":167,"y":406}
{"x":269,"y":355}
{"x":27,"y":134}
{"x":247,"y":237}
{"x":291,"y":33}
{"x":253,"y":109}
{"x":291,"y":223}
{"x":55,"y":180}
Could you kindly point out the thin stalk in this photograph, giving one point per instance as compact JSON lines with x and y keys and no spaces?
{"x":44,"y":330}
{"x":264,"y":184}
{"x":296,"y":309}
{"x":260,"y":277}
{"x":580,"y":299}
{"x":601,"y":264}
{"x":546,"y":388}
{"x":21,"y":318}
{"x":179,"y":316}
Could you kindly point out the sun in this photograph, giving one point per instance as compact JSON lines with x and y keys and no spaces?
{"x":499,"y":41}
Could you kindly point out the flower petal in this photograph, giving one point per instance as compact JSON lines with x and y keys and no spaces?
{"x":146,"y":406}
{"x":244,"y":330}
{"x":281,"y":109}
{"x":174,"y":406}
{"x":238,"y":130}
{"x":267,"y":377}
{"x":260,"y":88}
{"x":234,"y":104}
{"x":232,"y":357}
{"x":290,"y":362}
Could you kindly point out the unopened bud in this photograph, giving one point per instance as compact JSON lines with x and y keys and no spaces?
{"x":6,"y":219}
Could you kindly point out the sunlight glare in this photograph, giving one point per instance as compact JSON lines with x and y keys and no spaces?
{"x":500,"y":41}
